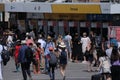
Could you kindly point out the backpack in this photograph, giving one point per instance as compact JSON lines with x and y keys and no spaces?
{"x":106,"y":66}
{"x":5,"y":56}
{"x":63,"y":55}
{"x":29,"y":54}
{"x":53,"y":59}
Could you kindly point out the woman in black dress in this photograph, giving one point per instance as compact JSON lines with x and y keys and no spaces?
{"x":76,"y":54}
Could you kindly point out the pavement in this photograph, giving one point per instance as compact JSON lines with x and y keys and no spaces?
{"x":74,"y":71}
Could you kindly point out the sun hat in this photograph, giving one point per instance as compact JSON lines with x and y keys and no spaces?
{"x":62,"y":44}
{"x":48,"y":38}
{"x":27,"y":33}
{"x":23,"y":42}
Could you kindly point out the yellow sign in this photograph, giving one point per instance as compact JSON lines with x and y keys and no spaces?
{"x":1,"y":7}
{"x":65,"y":16}
{"x":76,"y":8}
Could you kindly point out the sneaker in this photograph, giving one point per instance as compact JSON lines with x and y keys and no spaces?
{"x":84,"y":62}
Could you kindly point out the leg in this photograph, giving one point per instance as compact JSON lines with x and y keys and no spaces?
{"x":23,"y":71}
{"x":28,"y":70}
{"x":53,"y":72}
{"x":0,"y":72}
{"x":49,"y":72}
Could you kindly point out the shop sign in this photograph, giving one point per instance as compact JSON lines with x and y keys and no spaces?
{"x":99,"y":17}
{"x":28,"y":7}
{"x":65,"y":16}
{"x":35,"y":15}
{"x":14,"y":7}
{"x":115,"y":9}
{"x":38,"y":7}
{"x":76,"y":8}
{"x":1,"y":7}
{"x":105,"y":8}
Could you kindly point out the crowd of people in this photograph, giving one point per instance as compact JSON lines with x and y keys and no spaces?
{"x":37,"y":50}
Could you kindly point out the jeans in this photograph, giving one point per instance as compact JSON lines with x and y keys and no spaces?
{"x":46,"y":64}
{"x":51,"y":71}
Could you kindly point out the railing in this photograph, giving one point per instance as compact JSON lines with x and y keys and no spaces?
{"x":64,"y":1}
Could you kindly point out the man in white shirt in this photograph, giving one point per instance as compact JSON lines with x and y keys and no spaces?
{"x":41,"y":41}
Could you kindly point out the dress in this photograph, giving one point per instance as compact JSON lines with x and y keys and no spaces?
{"x":77,"y":49}
{"x":85,"y":42}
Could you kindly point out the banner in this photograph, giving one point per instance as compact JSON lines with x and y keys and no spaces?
{"x":76,"y":8}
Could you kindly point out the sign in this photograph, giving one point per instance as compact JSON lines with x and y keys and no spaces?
{"x":1,"y":7}
{"x":28,"y":7}
{"x":38,"y":7}
{"x":35,"y":15}
{"x":65,"y":16}
{"x":105,"y":8}
{"x":76,"y":8}
{"x":14,"y":7}
{"x":115,"y":9}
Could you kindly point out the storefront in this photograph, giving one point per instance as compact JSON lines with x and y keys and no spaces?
{"x":60,"y":18}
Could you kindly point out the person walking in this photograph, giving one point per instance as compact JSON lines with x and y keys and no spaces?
{"x":85,"y":43}
{"x":37,"y":56}
{"x":63,"y":59}
{"x":49,"y":43}
{"x":77,"y":49}
{"x":16,"y":53}
{"x":1,"y":48}
{"x":115,"y":61}
{"x":22,"y":59}
{"x":68,"y":43}
{"x":52,"y":59}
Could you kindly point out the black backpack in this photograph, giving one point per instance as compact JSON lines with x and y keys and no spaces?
{"x":29,"y":54}
{"x":53,"y":59}
{"x":63,"y":55}
{"x":5,"y":56}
